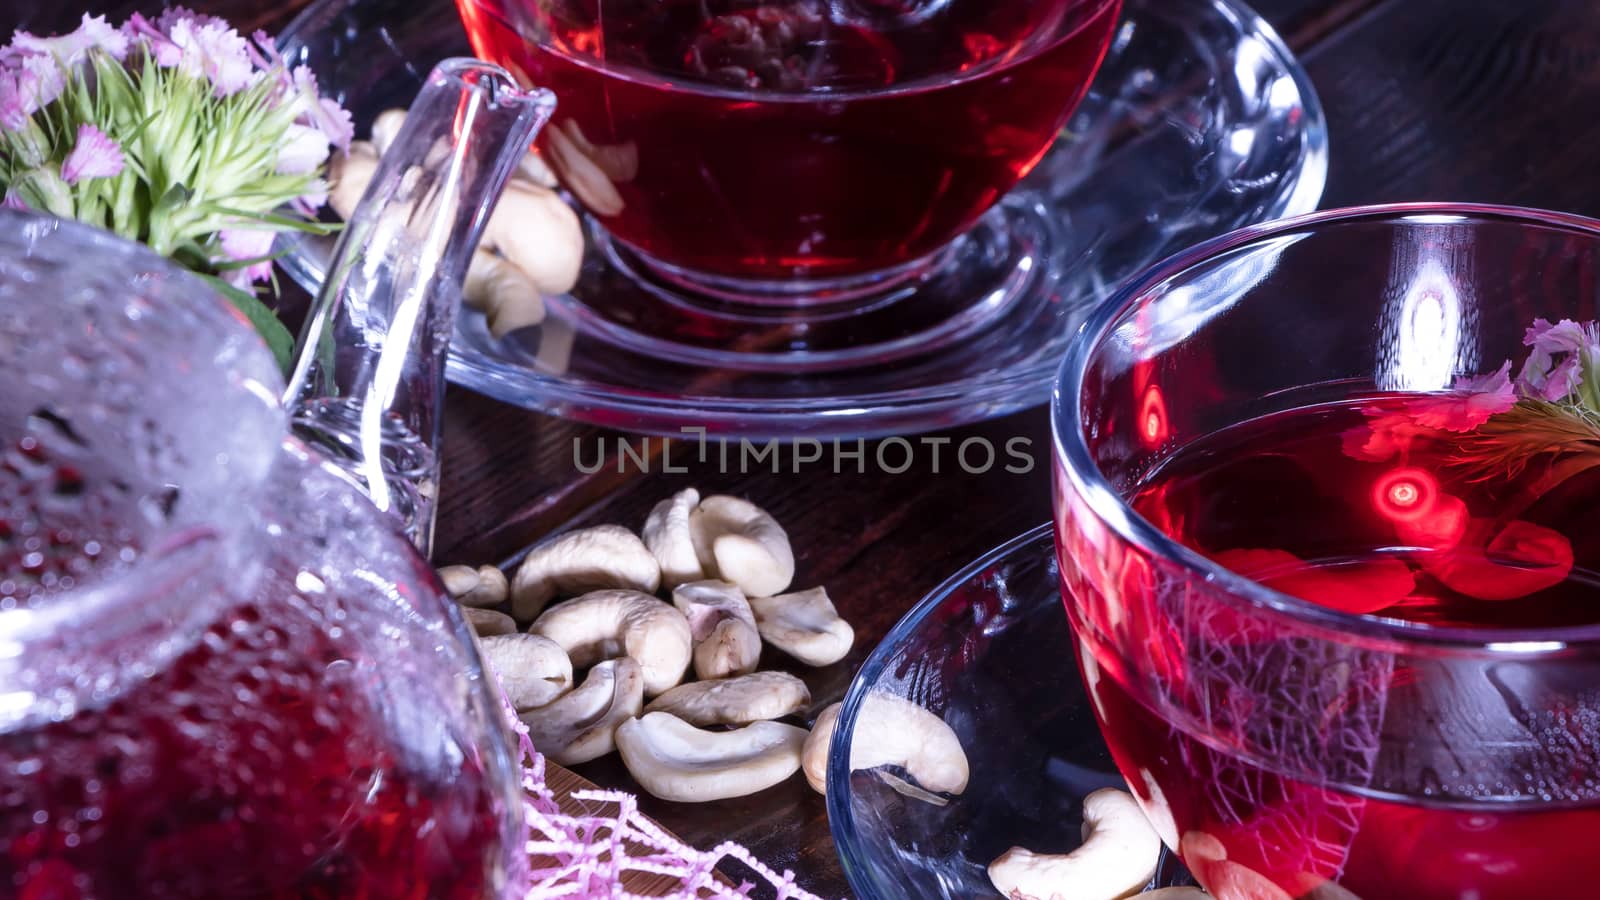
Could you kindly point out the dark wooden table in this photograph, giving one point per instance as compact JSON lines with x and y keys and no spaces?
{"x":1482,"y":100}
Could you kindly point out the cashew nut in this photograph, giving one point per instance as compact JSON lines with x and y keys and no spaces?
{"x":488,"y":622}
{"x":666,"y":533}
{"x":804,"y":625}
{"x":607,"y":556}
{"x":607,"y":624}
{"x":535,"y":169}
{"x":538,"y":237}
{"x":732,"y":648}
{"x":349,"y":173}
{"x":1118,"y":857}
{"x":503,"y":293}
{"x":814,"y":754}
{"x":620,"y":162}
{"x":582,"y":175}
{"x":386,"y":127}
{"x":483,"y":586}
{"x":892,"y":731}
{"x":735,"y":701}
{"x":1156,"y":807}
{"x":737,"y":541}
{"x":533,"y":670}
{"x":676,"y":761}
{"x":539,"y":233}
{"x":723,"y":627}
{"x":582,"y":725}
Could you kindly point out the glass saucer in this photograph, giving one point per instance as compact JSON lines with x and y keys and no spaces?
{"x":988,"y":651}
{"x":1200,"y":122}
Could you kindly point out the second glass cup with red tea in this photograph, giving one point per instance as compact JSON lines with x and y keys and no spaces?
{"x":1325,"y":511}
{"x":736,"y":146}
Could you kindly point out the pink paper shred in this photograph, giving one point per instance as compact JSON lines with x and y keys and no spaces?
{"x":586,"y":856}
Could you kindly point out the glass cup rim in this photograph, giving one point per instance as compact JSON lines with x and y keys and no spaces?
{"x":1072,"y":451}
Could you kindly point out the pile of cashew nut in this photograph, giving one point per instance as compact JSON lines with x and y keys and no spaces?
{"x":588,"y":600}
{"x":532,"y":246}
{"x":595,"y":661}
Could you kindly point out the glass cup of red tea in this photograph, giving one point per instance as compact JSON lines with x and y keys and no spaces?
{"x":795,"y":150}
{"x":1326,"y":498}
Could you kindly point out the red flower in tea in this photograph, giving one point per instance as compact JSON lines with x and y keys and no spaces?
{"x":790,"y":47}
{"x":1520,"y":559}
{"x":1358,"y":587}
{"x":1441,"y":527}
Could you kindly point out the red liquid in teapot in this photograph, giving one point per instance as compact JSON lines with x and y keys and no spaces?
{"x":249,"y":767}
{"x":797,"y":138}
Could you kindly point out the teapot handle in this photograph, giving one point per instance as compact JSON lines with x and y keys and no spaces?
{"x":367,"y":385}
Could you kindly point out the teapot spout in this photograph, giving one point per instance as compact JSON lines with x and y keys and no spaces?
{"x":367,"y":385}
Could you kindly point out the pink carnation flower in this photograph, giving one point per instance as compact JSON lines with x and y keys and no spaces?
{"x":304,"y":149}
{"x":93,"y":156}
{"x":213,"y":51}
{"x":1555,"y":366}
{"x":200,"y":46}
{"x":175,"y":14}
{"x":70,"y":49}
{"x":240,"y":244}
{"x":319,"y":112}
{"x":153,"y":39}
{"x":27,"y":83}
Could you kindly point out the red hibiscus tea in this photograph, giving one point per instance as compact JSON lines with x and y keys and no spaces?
{"x":1271,"y":763}
{"x":1364,"y":508}
{"x":251,"y":767}
{"x":785,"y":139}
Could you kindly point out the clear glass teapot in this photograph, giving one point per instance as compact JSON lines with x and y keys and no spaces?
{"x":224,"y":671}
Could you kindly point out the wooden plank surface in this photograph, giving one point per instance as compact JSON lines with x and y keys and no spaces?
{"x":1426,"y":99}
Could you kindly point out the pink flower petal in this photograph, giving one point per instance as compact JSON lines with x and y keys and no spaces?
{"x":171,"y":16}
{"x":16,"y":105}
{"x":240,"y":244}
{"x":70,"y":49}
{"x":304,"y":149}
{"x":31,"y":82}
{"x":320,"y":112}
{"x":93,"y":156}
{"x":208,"y":48}
{"x":1565,"y":336}
{"x":315,"y":197}
{"x":1545,"y":379}
{"x":13,"y":200}
{"x":1496,"y":382}
{"x":155,"y":41}
{"x":1477,"y":401}
{"x":335,"y":122}
{"x":47,"y":79}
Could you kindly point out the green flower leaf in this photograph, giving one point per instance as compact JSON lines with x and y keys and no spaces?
{"x":266,"y":322}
